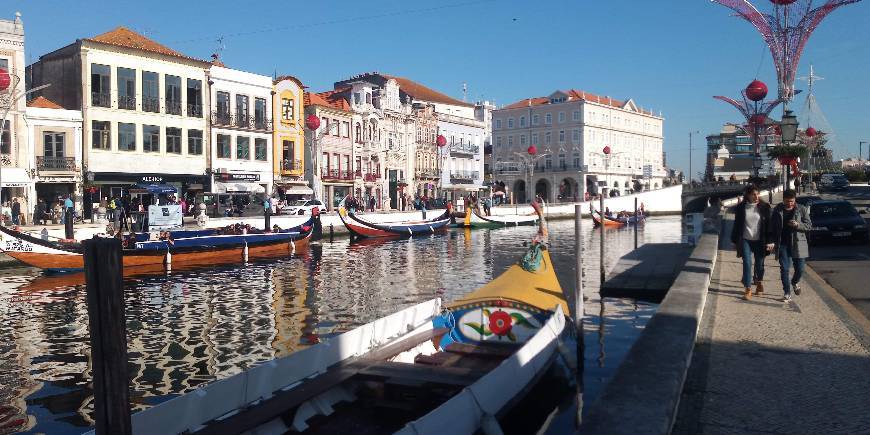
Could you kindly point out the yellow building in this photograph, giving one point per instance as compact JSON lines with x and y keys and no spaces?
{"x":289,"y":139}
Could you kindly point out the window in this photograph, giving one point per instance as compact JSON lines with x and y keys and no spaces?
{"x":243,"y":148}
{"x":150,"y":138}
{"x":357,"y":98}
{"x":575,"y":136}
{"x":576,"y":115}
{"x":561,"y":136}
{"x":510,"y":140}
{"x":6,"y":139}
{"x":242,"y":112}
{"x":548,"y":119}
{"x":536,"y":119}
{"x":194,"y":142}
{"x":100,"y":138}
{"x":561,"y":117}
{"x":100,"y":85}
{"x":325,"y":124}
{"x":4,"y":63}
{"x":576,"y":160}
{"x":173,"y":95}
{"x":498,"y":124}
{"x":523,"y":140}
{"x":126,"y":88}
{"x":324,"y":165}
{"x":223,"y":146}
{"x":522,"y":121}
{"x":260,"y":114}
{"x":498,"y":141}
{"x":194,"y":98}
{"x":260,"y":149}
{"x":335,"y":128}
{"x":173,"y":140}
{"x":222,"y":108}
{"x":126,"y":136}
{"x":150,"y":92}
{"x":288,"y":111}
{"x":53,"y":144}
{"x":358,"y":164}
{"x":345,"y":129}
{"x":510,"y":123}
{"x":288,"y":155}
{"x":547,"y":137}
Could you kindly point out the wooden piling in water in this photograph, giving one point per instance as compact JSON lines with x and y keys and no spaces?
{"x":601,"y":242}
{"x":636,"y":217}
{"x":107,"y":327}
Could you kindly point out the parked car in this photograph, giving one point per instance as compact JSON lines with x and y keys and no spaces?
{"x":837,"y":221}
{"x":834,"y":183}
{"x":807,"y":200}
{"x":303,"y":206}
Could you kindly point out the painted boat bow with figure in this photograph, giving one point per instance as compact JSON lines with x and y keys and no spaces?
{"x":465,"y":365}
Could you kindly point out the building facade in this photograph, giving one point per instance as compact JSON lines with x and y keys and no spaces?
{"x":55,"y":138}
{"x":241,"y":119}
{"x":16,"y":179}
{"x":331,"y":161}
{"x":730,"y":153}
{"x":289,"y":139}
{"x":427,"y":156}
{"x":570,"y":130}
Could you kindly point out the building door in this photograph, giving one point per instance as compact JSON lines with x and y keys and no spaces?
{"x":393,"y":177}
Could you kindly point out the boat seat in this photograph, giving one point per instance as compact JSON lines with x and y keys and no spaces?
{"x":420,"y":374}
{"x":482,"y":350}
{"x":436,"y":359}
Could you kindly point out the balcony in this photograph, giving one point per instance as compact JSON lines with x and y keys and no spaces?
{"x":427,"y":173}
{"x":335,"y":174}
{"x":194,"y":110}
{"x":151,"y":104}
{"x":288,"y":165}
{"x":463,"y":177}
{"x":100,"y":99}
{"x":462,"y":148}
{"x":126,"y":102}
{"x":241,"y":122}
{"x":173,"y":107}
{"x":371,"y":177}
{"x":64,"y":164}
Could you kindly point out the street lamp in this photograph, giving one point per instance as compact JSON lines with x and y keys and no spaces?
{"x":788,"y":127}
{"x":529,"y":158}
{"x":8,"y":98}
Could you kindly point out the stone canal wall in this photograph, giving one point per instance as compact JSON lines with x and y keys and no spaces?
{"x":644,"y":394}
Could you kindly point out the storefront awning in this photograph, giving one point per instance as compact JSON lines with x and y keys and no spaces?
{"x":154,"y":189}
{"x":15,"y":177}
{"x":298,"y":190}
{"x":241,"y":187}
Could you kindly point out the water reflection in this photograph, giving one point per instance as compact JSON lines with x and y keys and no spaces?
{"x":192,"y":327}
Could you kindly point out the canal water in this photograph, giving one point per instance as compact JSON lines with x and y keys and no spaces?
{"x":193,"y":327}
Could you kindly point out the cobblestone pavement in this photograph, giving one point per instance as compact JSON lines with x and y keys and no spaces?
{"x":764,"y":366}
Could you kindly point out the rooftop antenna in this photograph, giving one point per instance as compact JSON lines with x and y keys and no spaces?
{"x":811,"y":80}
{"x":221,"y":46}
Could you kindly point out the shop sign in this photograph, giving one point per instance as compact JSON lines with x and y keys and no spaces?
{"x":151,"y":179}
{"x":235,"y":176}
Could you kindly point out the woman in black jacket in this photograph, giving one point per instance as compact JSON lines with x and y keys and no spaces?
{"x":751,"y":236}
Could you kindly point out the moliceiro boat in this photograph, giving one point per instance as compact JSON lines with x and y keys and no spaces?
{"x":362,"y":228}
{"x":463,"y":365}
{"x":474,"y":219}
{"x":139,"y":256}
{"x":616,"y":222}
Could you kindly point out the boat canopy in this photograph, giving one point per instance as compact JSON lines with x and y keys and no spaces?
{"x":539,"y":289}
{"x":154,"y":189}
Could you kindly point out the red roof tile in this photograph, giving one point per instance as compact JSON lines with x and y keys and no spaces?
{"x":332,"y":99}
{"x":424,"y":93}
{"x":573,"y":95}
{"x":43,"y":103}
{"x":124,"y":37}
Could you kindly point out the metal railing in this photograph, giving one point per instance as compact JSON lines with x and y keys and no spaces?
{"x":335,"y":174}
{"x":48,"y":163}
{"x":151,"y":104}
{"x":291,"y":165}
{"x":428,"y":173}
{"x":100,"y":99}
{"x":461,"y":148}
{"x":223,"y":119}
{"x":464,"y":175}
{"x":126,"y":102}
{"x":173,"y":107}
{"x":371,"y":176}
{"x":194,"y":110}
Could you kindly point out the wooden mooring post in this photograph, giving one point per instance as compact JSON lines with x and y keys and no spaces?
{"x":601,"y":243}
{"x":636,"y":226}
{"x":579,"y":310}
{"x":105,"y":303}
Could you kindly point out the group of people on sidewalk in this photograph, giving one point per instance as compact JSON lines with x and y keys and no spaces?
{"x":760,"y":230}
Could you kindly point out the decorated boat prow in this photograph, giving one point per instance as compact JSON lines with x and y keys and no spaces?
{"x":465,"y":365}
{"x":475,"y":219}
{"x":363,"y":228}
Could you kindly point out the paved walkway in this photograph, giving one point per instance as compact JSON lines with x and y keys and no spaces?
{"x":767,"y":367}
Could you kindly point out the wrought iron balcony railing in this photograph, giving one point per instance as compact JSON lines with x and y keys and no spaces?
{"x":44,"y":163}
{"x":173,"y":107}
{"x":460,"y":148}
{"x":126,"y":102}
{"x":335,"y":174}
{"x":464,"y":175}
{"x":100,"y":99}
{"x":239,"y":121}
{"x":151,"y":104}
{"x":291,"y":165}
{"x":371,"y":176}
{"x":194,"y":110}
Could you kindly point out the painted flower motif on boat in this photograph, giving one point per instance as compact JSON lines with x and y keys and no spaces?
{"x":499,"y":323}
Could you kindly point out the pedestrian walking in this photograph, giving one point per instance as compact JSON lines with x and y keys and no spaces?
{"x":750,"y":236}
{"x":789,"y":226}
{"x":16,"y":212}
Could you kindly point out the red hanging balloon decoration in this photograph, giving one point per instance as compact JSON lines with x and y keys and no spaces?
{"x":759,"y":119}
{"x":5,"y":80}
{"x":756,"y":91}
{"x":606,"y":149}
{"x":532,"y":150}
{"x":811,"y":132}
{"x":441,"y":140}
{"x":312,"y":122}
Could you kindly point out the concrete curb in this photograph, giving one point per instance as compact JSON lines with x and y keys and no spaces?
{"x":644,"y":394}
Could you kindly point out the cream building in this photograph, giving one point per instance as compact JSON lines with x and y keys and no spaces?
{"x":330,"y":147}
{"x":143,"y":107}
{"x":570,"y":130}
{"x":15,"y":169}
{"x":241,"y":125}
{"x":55,"y":138}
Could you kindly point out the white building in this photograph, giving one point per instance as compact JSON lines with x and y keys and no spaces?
{"x":241,"y":131}
{"x":143,"y":109}
{"x":55,"y":136}
{"x":570,"y":130}
{"x":15,"y":168}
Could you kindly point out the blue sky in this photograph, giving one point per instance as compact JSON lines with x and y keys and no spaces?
{"x":671,"y":56}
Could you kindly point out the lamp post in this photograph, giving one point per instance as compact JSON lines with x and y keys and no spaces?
{"x":9,"y":96}
{"x":441,"y":142}
{"x":788,"y":126}
{"x":529,"y":158}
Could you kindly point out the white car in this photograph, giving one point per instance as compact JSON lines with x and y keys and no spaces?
{"x":303,"y":206}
